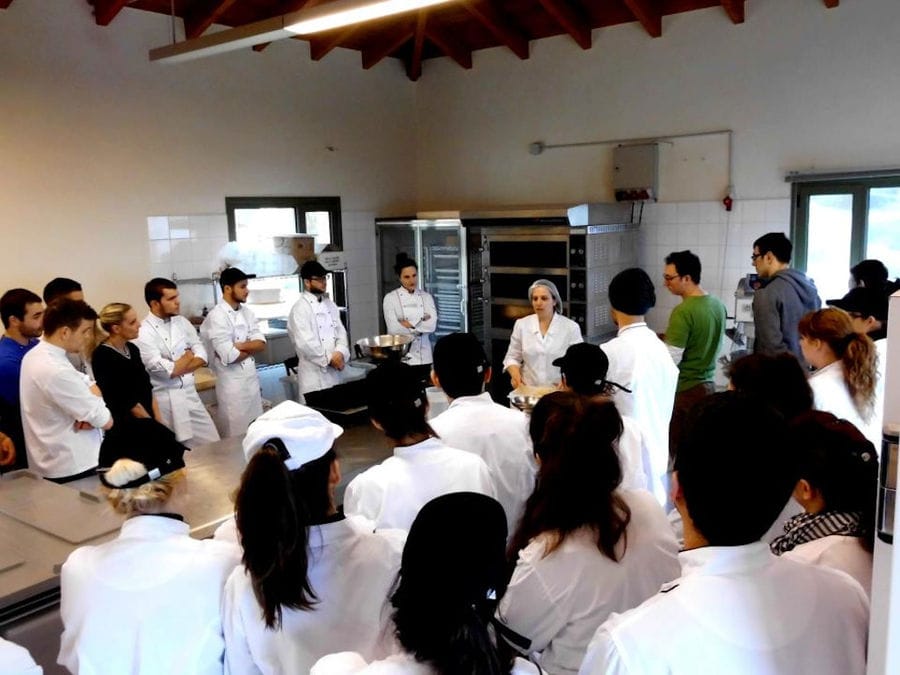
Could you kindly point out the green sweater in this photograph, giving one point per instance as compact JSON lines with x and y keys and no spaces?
{"x":697,"y":325}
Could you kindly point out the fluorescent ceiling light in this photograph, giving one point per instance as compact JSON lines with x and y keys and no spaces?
{"x":348,"y":12}
{"x":303,"y":22}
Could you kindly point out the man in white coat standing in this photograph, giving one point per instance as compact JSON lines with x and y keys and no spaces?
{"x":473,"y":422}
{"x":171,"y":352}
{"x":737,"y":608}
{"x":232,"y":336}
{"x":639,"y":361}
{"x":62,"y":410}
{"x":319,"y":337}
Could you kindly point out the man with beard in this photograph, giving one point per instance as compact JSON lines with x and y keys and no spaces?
{"x":319,"y":337}
{"x":171,"y":352}
{"x":232,"y":336}
{"x":22,"y":313}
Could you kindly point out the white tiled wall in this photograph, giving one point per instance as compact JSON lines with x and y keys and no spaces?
{"x":359,"y":249}
{"x":723,"y":240}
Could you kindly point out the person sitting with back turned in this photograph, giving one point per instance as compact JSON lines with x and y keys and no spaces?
{"x":473,"y":422}
{"x":171,"y":352}
{"x":62,"y":413}
{"x":584,"y":369}
{"x":693,"y":335}
{"x":641,"y":364}
{"x":837,"y":489}
{"x":785,"y":296}
{"x":22,"y":313}
{"x":422,"y":467}
{"x":231,"y":335}
{"x":737,"y":608}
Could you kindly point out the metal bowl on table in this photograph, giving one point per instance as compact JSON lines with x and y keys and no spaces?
{"x":383,"y":347}
{"x":526,"y":397}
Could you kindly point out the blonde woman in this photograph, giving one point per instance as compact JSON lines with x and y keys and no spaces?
{"x":845,"y":377}
{"x":149,"y":600}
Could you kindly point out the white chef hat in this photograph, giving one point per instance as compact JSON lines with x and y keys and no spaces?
{"x":306,"y":433}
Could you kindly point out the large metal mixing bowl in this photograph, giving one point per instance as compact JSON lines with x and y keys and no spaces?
{"x":381,"y":347}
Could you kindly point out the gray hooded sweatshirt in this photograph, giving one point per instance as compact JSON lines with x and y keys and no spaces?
{"x":777,"y":309}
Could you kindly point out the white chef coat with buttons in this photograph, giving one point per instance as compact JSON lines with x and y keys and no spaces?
{"x":391,"y":493}
{"x":237,"y":383}
{"x":830,"y":393}
{"x":16,"y":660}
{"x":146,"y":602}
{"x":162,"y":342}
{"x":316,"y":330}
{"x":350,"y":663}
{"x":535,"y":353}
{"x":640,"y":361}
{"x":351,"y":570}
{"x":838,"y":552}
{"x":400,"y":305}
{"x":498,"y":435}
{"x":53,"y":397}
{"x":743,"y":611}
{"x":559,"y":600}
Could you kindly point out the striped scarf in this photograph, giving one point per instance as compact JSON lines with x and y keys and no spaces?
{"x":806,"y":527}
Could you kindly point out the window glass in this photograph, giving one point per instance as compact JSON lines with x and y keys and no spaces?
{"x":883,"y":227}
{"x":830,"y":229}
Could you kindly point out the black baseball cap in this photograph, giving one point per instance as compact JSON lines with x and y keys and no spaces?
{"x":585,"y":360}
{"x":312,"y":268}
{"x":864,"y":301}
{"x":232,"y":275}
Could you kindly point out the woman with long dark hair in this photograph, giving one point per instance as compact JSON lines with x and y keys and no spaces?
{"x":313,"y":582}
{"x":846,"y":369}
{"x":422,"y":466}
{"x":408,"y":310}
{"x":837,"y":488}
{"x":452,"y":573}
{"x":584,"y":548}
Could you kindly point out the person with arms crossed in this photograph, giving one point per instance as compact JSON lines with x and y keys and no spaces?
{"x":409,"y":310}
{"x":319,"y":337}
{"x":62,"y":411}
{"x":737,"y":608}
{"x":22,"y":313}
{"x":232,"y":336}
{"x":171,"y":352}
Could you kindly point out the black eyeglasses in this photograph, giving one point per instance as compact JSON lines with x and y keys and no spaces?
{"x":670,"y":277}
{"x":318,"y":278}
{"x":754,"y":256}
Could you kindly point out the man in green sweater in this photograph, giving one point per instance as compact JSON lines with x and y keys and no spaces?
{"x":693,"y":336}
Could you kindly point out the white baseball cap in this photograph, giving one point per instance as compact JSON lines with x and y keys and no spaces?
{"x":306,"y":433}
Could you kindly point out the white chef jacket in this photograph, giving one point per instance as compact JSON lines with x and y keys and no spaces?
{"x":743,"y":611}
{"x":841,"y":553}
{"x":162,"y":342}
{"x":317,"y":332}
{"x":640,"y":361}
{"x":391,"y":493}
{"x":237,"y":384}
{"x":53,"y":397}
{"x":500,"y":437}
{"x":535,"y":353}
{"x":400,"y":304}
{"x":16,"y":660}
{"x":559,"y":600}
{"x":634,"y":457}
{"x":350,"y":663}
{"x":830,"y":394}
{"x":146,"y":602}
{"x":351,"y":570}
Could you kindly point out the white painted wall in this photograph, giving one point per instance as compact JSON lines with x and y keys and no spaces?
{"x":802,"y":87}
{"x":94,"y":138}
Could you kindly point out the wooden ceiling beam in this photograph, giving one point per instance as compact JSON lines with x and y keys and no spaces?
{"x":105,"y":10}
{"x":831,"y":4}
{"x":5,"y":3}
{"x":648,"y":13}
{"x":414,"y":66}
{"x":570,"y":20}
{"x":734,"y":9}
{"x":499,"y":25}
{"x":386,"y":43}
{"x":200,"y":16}
{"x":449,"y":45}
{"x":320,"y":46}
